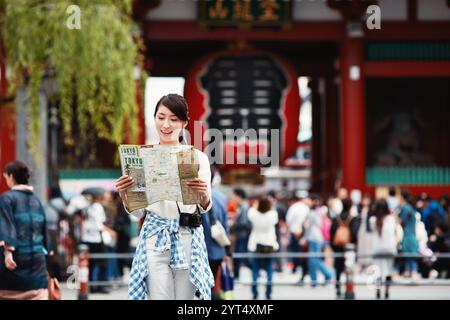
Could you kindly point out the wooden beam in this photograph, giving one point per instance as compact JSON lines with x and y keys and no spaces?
{"x":189,"y":31}
{"x":407,"y":68}
{"x":410,"y":31}
{"x":300,"y":31}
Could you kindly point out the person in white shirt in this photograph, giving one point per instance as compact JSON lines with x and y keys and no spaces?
{"x":392,"y":200}
{"x":172,"y":259}
{"x":262,"y":239}
{"x":384,"y":243}
{"x":295,"y":218}
{"x":93,"y":234}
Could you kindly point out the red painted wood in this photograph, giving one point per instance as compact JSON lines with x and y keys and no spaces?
{"x":300,"y":31}
{"x":353,"y":116}
{"x":434,"y":191}
{"x":7,"y":139}
{"x":198,"y":108}
{"x":140,"y":117}
{"x":407,"y":68}
{"x":189,"y":31}
{"x":3,"y":80}
{"x":140,"y":113}
{"x":404,"y":31}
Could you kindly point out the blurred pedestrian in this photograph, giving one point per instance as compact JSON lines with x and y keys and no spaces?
{"x":262,"y":240}
{"x":122,"y":226}
{"x":364,"y":238}
{"x":432,"y":215}
{"x":392,"y":199}
{"x":241,"y":228}
{"x":281,"y":210}
{"x":23,"y":234}
{"x":109,"y":235}
{"x":355,"y":197}
{"x":440,"y":243}
{"x":445,"y":204}
{"x":295,"y":218}
{"x":409,"y":244}
{"x":56,"y":214}
{"x":316,"y":241}
{"x":344,"y":231}
{"x":342,"y":193}
{"x":383,"y":225}
{"x":95,"y":234}
{"x":216,"y":252}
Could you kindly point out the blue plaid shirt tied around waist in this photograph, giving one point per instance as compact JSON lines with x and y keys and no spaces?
{"x":168,"y":235}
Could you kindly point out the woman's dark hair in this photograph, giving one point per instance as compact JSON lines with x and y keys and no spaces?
{"x":347,"y":204}
{"x":380,"y":210}
{"x":392,"y":191}
{"x":406,"y":195}
{"x":55,"y":192}
{"x":240,"y":193}
{"x":264,"y":204}
{"x":19,"y":171}
{"x":177,"y":105}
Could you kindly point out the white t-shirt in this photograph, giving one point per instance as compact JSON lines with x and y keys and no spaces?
{"x":263,"y":229}
{"x":93,"y":224}
{"x":168,"y":209}
{"x":295,"y":216}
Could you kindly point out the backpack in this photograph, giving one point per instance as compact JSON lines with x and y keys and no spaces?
{"x":342,"y":235}
{"x":325,"y":226}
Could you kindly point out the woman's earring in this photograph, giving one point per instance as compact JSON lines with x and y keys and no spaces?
{"x":182,"y":137}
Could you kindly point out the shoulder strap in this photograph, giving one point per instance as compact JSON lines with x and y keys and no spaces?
{"x":349,"y":219}
{"x":179,"y":211}
{"x":346,"y":222}
{"x":212,"y":218}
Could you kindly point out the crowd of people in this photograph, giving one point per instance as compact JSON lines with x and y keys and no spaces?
{"x":97,"y":219}
{"x":50,"y":238}
{"x":398,"y":223}
{"x":381,"y":231}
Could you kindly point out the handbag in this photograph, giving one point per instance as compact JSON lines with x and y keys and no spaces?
{"x":218,"y":232}
{"x":226,"y":282}
{"x":54,"y":289}
{"x":262,"y":248}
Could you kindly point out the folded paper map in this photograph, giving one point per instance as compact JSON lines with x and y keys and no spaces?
{"x":167,"y":169}
{"x":131,"y":164}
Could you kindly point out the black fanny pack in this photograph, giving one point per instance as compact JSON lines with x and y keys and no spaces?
{"x":191,"y":220}
{"x":261,"y":248}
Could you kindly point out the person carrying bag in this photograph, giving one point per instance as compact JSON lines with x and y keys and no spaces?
{"x":218,"y":232}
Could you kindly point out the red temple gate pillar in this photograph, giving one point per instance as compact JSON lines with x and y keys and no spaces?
{"x":7,"y":120}
{"x":353,"y":113}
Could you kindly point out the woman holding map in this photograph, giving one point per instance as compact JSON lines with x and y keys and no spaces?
{"x":171,"y":261}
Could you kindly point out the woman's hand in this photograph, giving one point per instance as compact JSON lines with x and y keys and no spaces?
{"x":122,"y":184}
{"x":201,"y":187}
{"x":9,"y":261}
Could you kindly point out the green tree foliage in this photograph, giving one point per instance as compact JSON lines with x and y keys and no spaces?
{"x":93,"y":65}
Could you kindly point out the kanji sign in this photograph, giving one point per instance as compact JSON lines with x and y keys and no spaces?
{"x":229,"y":13}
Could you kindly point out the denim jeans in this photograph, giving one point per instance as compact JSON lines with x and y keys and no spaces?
{"x":317,"y":263}
{"x":411,"y":264}
{"x":240,"y":247}
{"x":267,"y":265}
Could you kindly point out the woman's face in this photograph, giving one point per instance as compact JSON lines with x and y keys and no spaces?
{"x":168,"y":125}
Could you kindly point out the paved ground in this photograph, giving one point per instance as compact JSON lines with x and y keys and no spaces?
{"x":286,"y":289}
